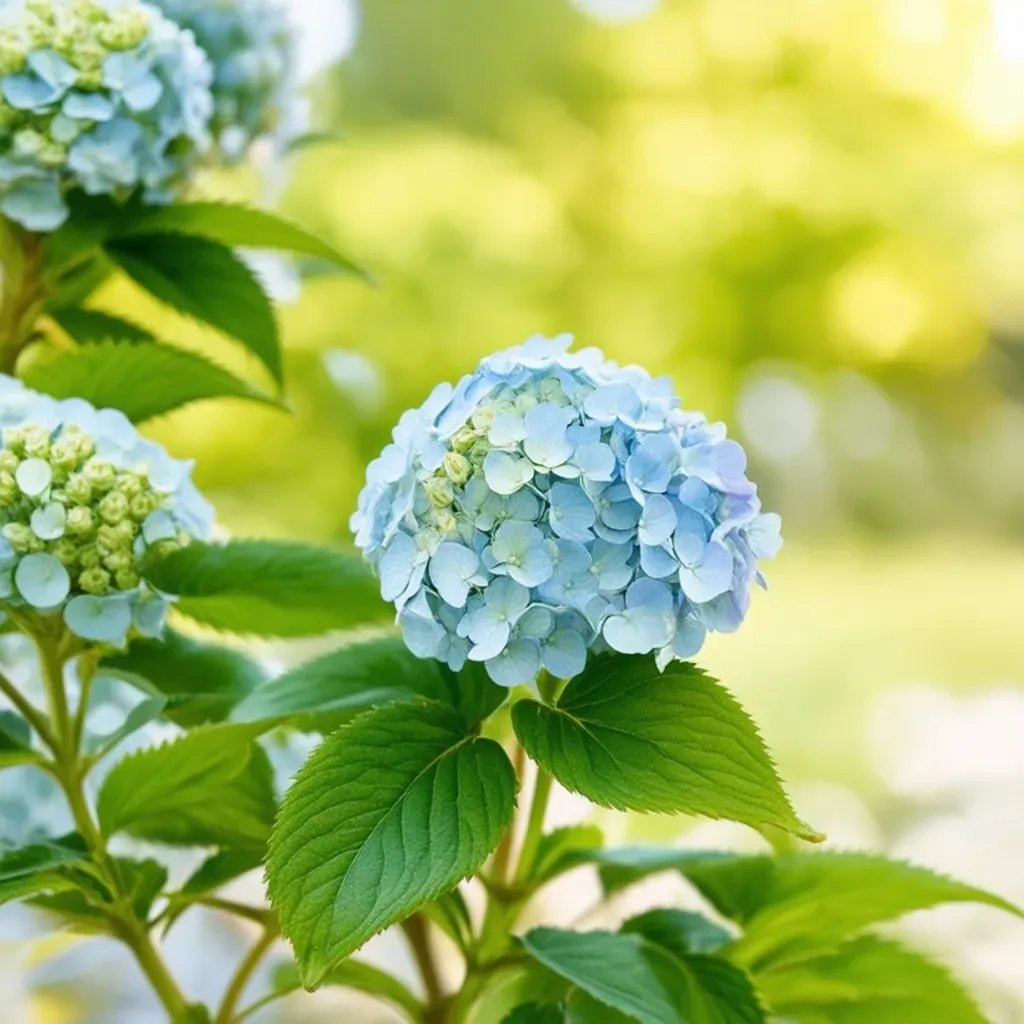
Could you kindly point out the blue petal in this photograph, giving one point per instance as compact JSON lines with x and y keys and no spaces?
{"x":36,"y":204}
{"x":565,"y":654}
{"x":517,"y":665}
{"x":520,"y":552}
{"x":507,"y":599}
{"x":657,"y":562}
{"x":711,"y":577}
{"x":53,"y":69}
{"x":49,"y":521}
{"x":506,"y":474}
{"x":536,"y":623}
{"x":451,"y":569}
{"x":638,"y":630}
{"x":572,"y":513}
{"x":507,"y":430}
{"x":612,"y":402}
{"x":546,"y":442}
{"x":569,"y":558}
{"x":765,"y":536}
{"x":149,"y":615}
{"x":29,"y":92}
{"x":42,"y":581}
{"x":658,"y":521}
{"x":595,"y":461}
{"x":88,"y":106}
{"x":422,"y":633}
{"x":396,"y":566}
{"x":690,"y":636}
{"x":651,"y":466}
{"x":100,"y":619}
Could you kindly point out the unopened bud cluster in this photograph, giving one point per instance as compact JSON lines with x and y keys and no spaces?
{"x":84,"y":501}
{"x":104,"y":95}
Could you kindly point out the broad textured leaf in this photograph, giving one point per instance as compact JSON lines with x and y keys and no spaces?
{"x":271,"y":588}
{"x":141,"y":380}
{"x":144,"y":880}
{"x":451,"y":914}
{"x":614,"y":969}
{"x":16,"y":741}
{"x":362,"y":977}
{"x":805,"y":902}
{"x":40,"y":868}
{"x":88,"y":326}
{"x":473,"y":691}
{"x":681,"y":932}
{"x":390,"y":812}
{"x":581,"y":1008}
{"x":235,"y":226}
{"x":331,"y":690}
{"x":630,"y":737}
{"x":138,"y":718}
{"x":207,"y":281}
{"x":534,"y":1013}
{"x":212,"y":787}
{"x":201,"y":682}
{"x":511,"y":987}
{"x":564,"y":849}
{"x":868,"y":981}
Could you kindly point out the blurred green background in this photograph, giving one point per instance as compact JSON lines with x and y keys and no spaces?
{"x":811,"y":214}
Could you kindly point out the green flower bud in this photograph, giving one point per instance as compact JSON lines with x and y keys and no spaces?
{"x":9,"y":490}
{"x":90,"y":79}
{"x":86,"y":54}
{"x":130,"y":484}
{"x":100,"y":474}
{"x":126,"y":30}
{"x":63,"y":454}
{"x":83,"y":443}
{"x":118,"y":537}
{"x":9,"y":462}
{"x":126,"y":531}
{"x":90,"y":558}
{"x":95,"y":581}
{"x":482,"y":419}
{"x":457,"y":467}
{"x":113,"y":508}
{"x":36,"y":441}
{"x":127,"y":579}
{"x":13,"y":440}
{"x":439,"y":492}
{"x":12,"y":54}
{"x":80,"y":520}
{"x":27,"y":143}
{"x":445,"y":521}
{"x":52,"y":154}
{"x":524,"y":403}
{"x":144,"y":506}
{"x":20,"y":537}
{"x":464,"y":439}
{"x":65,"y":550}
{"x":78,"y":490}
{"x":118,"y":560}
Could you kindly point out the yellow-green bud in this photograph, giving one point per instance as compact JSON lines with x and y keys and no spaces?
{"x":78,"y":489}
{"x":13,"y":440}
{"x":63,"y":455}
{"x":118,"y":560}
{"x":20,"y":537}
{"x":100,"y":474}
{"x":12,"y":55}
{"x":144,"y":506}
{"x":83,"y":443}
{"x":27,"y":143}
{"x":9,"y":462}
{"x":130,"y":484}
{"x":65,"y":550}
{"x":80,"y":521}
{"x":52,"y":154}
{"x":464,"y":439}
{"x":90,"y":558}
{"x":482,"y":420}
{"x":113,"y":508}
{"x":95,"y":581}
{"x":125,"y":31}
{"x":9,"y":491}
{"x":439,"y":492}
{"x":127,"y":579}
{"x":36,"y":441}
{"x":524,"y":403}
{"x":457,"y":467}
{"x":90,"y":79}
{"x":445,"y":521}
{"x":126,"y":531}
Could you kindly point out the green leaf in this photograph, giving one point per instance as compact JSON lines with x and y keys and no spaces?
{"x":144,"y":880}
{"x":451,"y":914}
{"x":564,"y":849}
{"x":630,"y":737}
{"x":614,"y":969}
{"x":202,"y":683}
{"x":390,"y":812}
{"x":473,"y":691}
{"x":868,"y":981}
{"x":138,"y":718}
{"x":271,"y":588}
{"x":43,"y":867}
{"x":333,"y":689}
{"x":235,"y":226}
{"x":800,"y":903}
{"x":356,"y":975}
{"x":220,"y":868}
{"x":622,"y":866}
{"x":679,"y":931}
{"x":581,"y":1008}
{"x":207,"y":281}
{"x":142,"y":381}
{"x":535,"y":1013}
{"x":212,"y":787}
{"x":88,"y":326}
{"x":16,"y":741}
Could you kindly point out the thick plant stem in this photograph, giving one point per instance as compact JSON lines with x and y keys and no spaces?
{"x":417,"y":935}
{"x":534,"y":825}
{"x":243,"y":976}
{"x":28,"y":712}
{"x":21,"y":292}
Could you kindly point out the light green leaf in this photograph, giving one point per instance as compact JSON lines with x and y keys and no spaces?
{"x":630,"y":737}
{"x":138,"y":718}
{"x":212,"y":787}
{"x":535,"y":1013}
{"x":868,"y":981}
{"x":207,"y":281}
{"x":144,"y":881}
{"x":564,"y":849}
{"x":614,"y":969}
{"x":234,"y":226}
{"x":88,"y":326}
{"x":220,"y":868}
{"x":31,"y":871}
{"x":390,"y":812}
{"x":801,"y":903}
{"x":681,"y":932}
{"x":16,"y":741}
{"x":325,"y":693}
{"x":201,"y":682}
{"x":451,"y":914}
{"x":271,"y":588}
{"x":142,"y":381}
{"x":623,"y":866}
{"x":362,"y":977}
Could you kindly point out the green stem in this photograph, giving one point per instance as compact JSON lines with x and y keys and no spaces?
{"x":31,"y":714}
{"x":417,"y":934}
{"x":534,"y":825}
{"x":247,"y":968}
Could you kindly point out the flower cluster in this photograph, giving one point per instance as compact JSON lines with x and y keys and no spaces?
{"x":103,"y":95}
{"x":83,"y":499}
{"x":554,"y":503}
{"x":252,"y":46}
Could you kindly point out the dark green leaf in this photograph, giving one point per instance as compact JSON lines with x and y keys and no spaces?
{"x":207,"y":281}
{"x":88,"y":326}
{"x":679,"y":931}
{"x":390,"y":812}
{"x":325,"y":693}
{"x":534,"y":1013}
{"x":212,"y":787}
{"x":623,"y":866}
{"x":220,"y":868}
{"x":141,"y":380}
{"x":581,"y":1008}
{"x":138,"y":718}
{"x":201,"y":682}
{"x":43,"y":867}
{"x":234,"y":226}
{"x":630,"y":737}
{"x":801,"y":903}
{"x":271,"y":588}
{"x":451,"y":914}
{"x":16,"y":741}
{"x":474,"y":693}
{"x":144,"y":881}
{"x":356,"y":975}
{"x":565,"y":849}
{"x":868,"y":981}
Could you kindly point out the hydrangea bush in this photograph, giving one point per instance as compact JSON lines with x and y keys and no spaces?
{"x":555,"y":533}
{"x":555,"y":503}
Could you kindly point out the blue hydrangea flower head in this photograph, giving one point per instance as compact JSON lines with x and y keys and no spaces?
{"x":554,"y":503}
{"x":252,"y":46}
{"x":106,"y":96}
{"x":83,"y":500}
